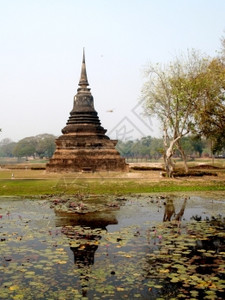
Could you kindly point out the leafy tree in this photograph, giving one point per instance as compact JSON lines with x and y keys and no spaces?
{"x":25,"y":147}
{"x":46,"y":145}
{"x":187,"y":145}
{"x":149,"y":147}
{"x":210,"y":113}
{"x":171,"y":94}
{"x":6,"y":148}
{"x":41,"y":145}
{"x":5,"y":141}
{"x":193,"y":144}
{"x":156,"y":148}
{"x":198,"y":144}
{"x":146,"y":147}
{"x":125,"y":148}
{"x":141,"y":147}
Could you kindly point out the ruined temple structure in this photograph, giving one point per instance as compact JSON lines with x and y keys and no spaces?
{"x":83,"y":146}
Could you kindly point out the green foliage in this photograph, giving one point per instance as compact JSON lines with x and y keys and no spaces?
{"x":152,"y":148}
{"x":171,"y":94}
{"x":46,"y":146}
{"x":6,"y":148}
{"x":24,"y":147}
{"x":42,"y":145}
{"x":146,"y":147}
{"x":69,"y":186}
{"x":219,"y":145}
{"x":187,"y":96}
{"x":193,"y":145}
{"x":210,"y":113}
{"x":198,"y":144}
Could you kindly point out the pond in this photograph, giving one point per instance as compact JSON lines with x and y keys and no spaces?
{"x":144,"y":247}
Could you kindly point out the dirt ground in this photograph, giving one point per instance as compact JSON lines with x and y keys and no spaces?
{"x":150,"y":175}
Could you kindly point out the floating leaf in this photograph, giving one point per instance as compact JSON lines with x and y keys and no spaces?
{"x":14,"y":287}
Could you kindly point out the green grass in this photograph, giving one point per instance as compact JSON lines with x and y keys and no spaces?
{"x":28,"y":187}
{"x":29,"y":182}
{"x":35,"y":187}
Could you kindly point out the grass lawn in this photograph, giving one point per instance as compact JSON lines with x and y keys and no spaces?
{"x":19,"y":182}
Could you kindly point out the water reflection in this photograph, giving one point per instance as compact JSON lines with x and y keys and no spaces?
{"x":138,"y":255}
{"x":84,"y":232}
{"x":170,"y":213}
{"x":177,"y":247}
{"x":191,"y":256}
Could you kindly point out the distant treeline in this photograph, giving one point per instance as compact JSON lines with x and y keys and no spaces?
{"x":152,"y":148}
{"x":43,"y":146}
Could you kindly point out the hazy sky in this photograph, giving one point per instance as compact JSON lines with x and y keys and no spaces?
{"x":41,"y":44}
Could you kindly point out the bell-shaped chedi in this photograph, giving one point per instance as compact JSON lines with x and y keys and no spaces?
{"x":84,"y":145}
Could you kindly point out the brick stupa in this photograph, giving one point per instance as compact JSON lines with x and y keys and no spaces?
{"x":83,"y":146}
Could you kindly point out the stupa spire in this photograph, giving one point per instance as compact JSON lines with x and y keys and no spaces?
{"x":83,"y":83}
{"x":83,"y":145}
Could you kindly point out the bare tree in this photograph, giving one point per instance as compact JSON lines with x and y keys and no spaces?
{"x":171,"y":93}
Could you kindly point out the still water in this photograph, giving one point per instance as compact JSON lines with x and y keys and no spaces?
{"x":147,"y":247}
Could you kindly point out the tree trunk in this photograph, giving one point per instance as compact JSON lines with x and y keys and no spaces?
{"x":212,"y":155}
{"x":183,"y":155}
{"x":169,"y":165}
{"x":181,"y":212}
{"x":169,"y":210}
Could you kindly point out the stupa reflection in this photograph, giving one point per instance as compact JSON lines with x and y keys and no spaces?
{"x":84,"y":231}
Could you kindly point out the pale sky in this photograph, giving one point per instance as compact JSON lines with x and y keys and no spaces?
{"x":41,"y":44}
